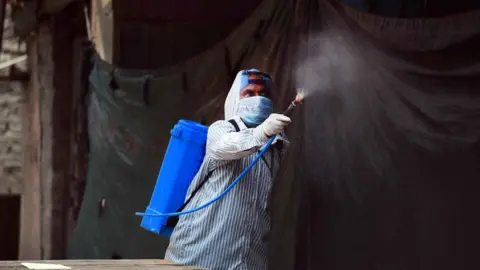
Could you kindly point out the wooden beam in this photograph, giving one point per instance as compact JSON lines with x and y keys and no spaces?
{"x":13,"y":61}
{"x":48,"y":114}
{"x":30,"y":214}
{"x":78,"y":137}
{"x":103,"y":264}
{"x":102,"y":23}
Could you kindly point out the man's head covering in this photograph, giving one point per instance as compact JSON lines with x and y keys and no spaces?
{"x":241,"y":80}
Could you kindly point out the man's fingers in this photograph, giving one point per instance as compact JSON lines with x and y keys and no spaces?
{"x":284,"y":122}
{"x":284,"y":118}
{"x":281,"y":117}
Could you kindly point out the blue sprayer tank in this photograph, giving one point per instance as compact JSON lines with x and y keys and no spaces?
{"x":182,"y":160}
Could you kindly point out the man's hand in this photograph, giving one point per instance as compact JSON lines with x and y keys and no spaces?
{"x":275,"y":124}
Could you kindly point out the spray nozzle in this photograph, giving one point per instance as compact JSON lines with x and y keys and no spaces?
{"x":298,"y":100}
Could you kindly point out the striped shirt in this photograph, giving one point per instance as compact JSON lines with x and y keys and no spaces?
{"x":230,"y":233}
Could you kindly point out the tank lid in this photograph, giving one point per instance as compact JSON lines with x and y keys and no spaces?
{"x":193,"y":125}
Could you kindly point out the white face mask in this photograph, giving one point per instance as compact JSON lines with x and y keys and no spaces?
{"x":254,"y":110}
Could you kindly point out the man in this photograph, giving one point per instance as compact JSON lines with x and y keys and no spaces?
{"x":230,"y":233}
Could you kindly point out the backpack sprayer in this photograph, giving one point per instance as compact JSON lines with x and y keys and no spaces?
{"x":182,"y":160}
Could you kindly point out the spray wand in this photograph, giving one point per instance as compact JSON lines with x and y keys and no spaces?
{"x":297,"y":101}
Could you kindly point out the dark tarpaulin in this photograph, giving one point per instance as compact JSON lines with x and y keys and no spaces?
{"x":412,"y":8}
{"x":385,"y":161}
{"x":164,"y":32}
{"x":388,"y":170}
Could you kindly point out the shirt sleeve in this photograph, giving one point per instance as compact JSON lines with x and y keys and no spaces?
{"x":225,"y":143}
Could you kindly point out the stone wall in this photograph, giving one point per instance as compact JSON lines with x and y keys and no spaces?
{"x":11,"y":149}
{"x":12,"y":96}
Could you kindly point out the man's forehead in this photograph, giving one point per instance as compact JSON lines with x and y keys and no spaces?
{"x":255,"y":80}
{"x":255,"y":77}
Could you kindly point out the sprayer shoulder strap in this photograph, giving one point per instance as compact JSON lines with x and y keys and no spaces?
{"x":173,"y":220}
{"x":269,"y":166}
{"x":235,"y":125}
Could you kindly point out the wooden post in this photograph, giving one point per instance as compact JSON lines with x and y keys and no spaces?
{"x":78,"y":137}
{"x":30,"y":216}
{"x":102,"y":28}
{"x":46,"y":200}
